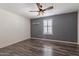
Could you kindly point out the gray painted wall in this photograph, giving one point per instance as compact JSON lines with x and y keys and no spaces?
{"x":64,"y":27}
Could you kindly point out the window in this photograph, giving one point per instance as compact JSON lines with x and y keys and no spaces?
{"x":47,"y":26}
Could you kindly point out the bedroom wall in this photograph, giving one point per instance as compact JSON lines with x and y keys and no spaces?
{"x":64,"y":27}
{"x":13,"y":28}
{"x":78,"y":26}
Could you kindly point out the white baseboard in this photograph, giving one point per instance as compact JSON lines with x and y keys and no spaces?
{"x":14,"y":43}
{"x":54,"y":40}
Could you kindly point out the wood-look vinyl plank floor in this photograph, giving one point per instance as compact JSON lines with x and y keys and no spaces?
{"x":34,"y":47}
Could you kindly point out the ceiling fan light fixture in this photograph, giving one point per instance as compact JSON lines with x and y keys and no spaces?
{"x":40,"y":10}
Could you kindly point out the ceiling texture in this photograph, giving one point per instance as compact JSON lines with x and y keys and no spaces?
{"x":24,"y":8}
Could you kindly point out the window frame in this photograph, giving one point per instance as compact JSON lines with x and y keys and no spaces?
{"x":47,"y":26}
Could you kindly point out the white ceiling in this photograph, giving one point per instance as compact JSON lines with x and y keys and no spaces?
{"x":24,"y":8}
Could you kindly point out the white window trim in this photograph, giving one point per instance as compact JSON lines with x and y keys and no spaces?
{"x":47,"y":27}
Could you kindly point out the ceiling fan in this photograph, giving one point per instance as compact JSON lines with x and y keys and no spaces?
{"x":41,"y":10}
